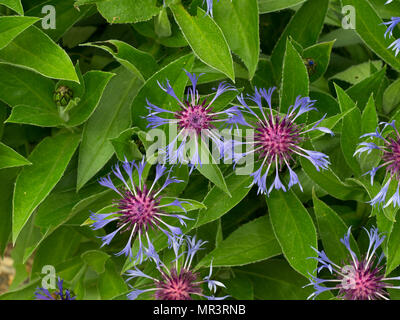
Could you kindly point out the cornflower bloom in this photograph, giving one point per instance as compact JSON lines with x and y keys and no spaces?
{"x":360,"y":278}
{"x":58,"y":294}
{"x":139,"y":208}
{"x":395,"y":45}
{"x":277,"y":139}
{"x":177,"y":281}
{"x":390,"y":158}
{"x":195,"y":119}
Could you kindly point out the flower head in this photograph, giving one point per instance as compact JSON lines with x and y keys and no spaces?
{"x":177,"y":280}
{"x":357,"y":279}
{"x":139,"y":207}
{"x":195,"y":120}
{"x":58,"y":294}
{"x":391,"y":24}
{"x":278,"y":139}
{"x":390,"y":150}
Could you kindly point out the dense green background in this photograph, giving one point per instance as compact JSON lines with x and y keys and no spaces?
{"x":112,"y":53}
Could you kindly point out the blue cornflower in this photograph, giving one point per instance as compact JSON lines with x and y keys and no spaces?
{"x":391,"y":160}
{"x":359,"y":279}
{"x":139,"y":208}
{"x":177,"y":281}
{"x":195,"y":120}
{"x":58,"y":294}
{"x":394,"y":21}
{"x":277,"y":139}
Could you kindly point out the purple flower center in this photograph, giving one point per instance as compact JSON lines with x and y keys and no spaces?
{"x":177,"y":286}
{"x":275,"y":138}
{"x":195,"y":117}
{"x":139,"y":209}
{"x":391,"y":155}
{"x":363,"y":283}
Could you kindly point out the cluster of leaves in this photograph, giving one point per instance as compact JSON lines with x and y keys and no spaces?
{"x":111,"y":54}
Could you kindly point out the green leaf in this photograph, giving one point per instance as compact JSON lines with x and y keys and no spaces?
{"x":391,"y":97}
{"x":361,"y":91}
{"x":7,"y":178}
{"x":10,"y":158}
{"x":152,"y":92}
{"x":275,"y":280}
{"x":28,"y":49}
{"x":210,"y":170}
{"x":206,"y":39}
{"x":320,"y":53}
{"x":370,"y":29}
{"x":128,"y":11}
{"x":111,"y":283}
{"x":66,"y":16}
{"x":294,"y":78}
{"x":304,"y":27}
{"x":187,"y":204}
{"x":14,"y":5}
{"x":35,"y":116}
{"x":96,"y":259}
{"x":351,"y":129}
{"x":332,"y":228}
{"x":238,"y":21}
{"x":23,"y":87}
{"x":251,"y":242}
{"x":95,"y":83}
{"x":393,"y":249}
{"x":266,"y":6}
{"x":294,"y":229}
{"x":140,"y":63}
{"x":49,"y":160}
{"x":125,"y":147}
{"x":110,"y":118}
{"x":218,"y":203}
{"x":12,"y":26}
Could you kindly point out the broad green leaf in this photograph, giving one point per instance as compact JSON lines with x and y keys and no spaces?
{"x":128,"y":11}
{"x":351,"y":129}
{"x":66,"y":16}
{"x":304,"y":27}
{"x":23,"y":87}
{"x":95,"y":259}
{"x":110,"y":282}
{"x":7,"y":178}
{"x":210,"y":170}
{"x":95,"y":83}
{"x":252,"y":242}
{"x":240,"y":287}
{"x":12,"y":26}
{"x":140,"y":63}
{"x":126,"y":147}
{"x":331,"y":229}
{"x":294,"y":230}
{"x":218,"y":203}
{"x":49,"y":160}
{"x":361,"y":91}
{"x":393,"y":248}
{"x":35,"y":116}
{"x":359,"y":72}
{"x":370,"y":29}
{"x":57,"y":248}
{"x":266,"y":6}
{"x":151,"y":91}
{"x":391,"y":97}
{"x":206,"y":39}
{"x":320,"y":54}
{"x":28,"y":49}
{"x":329,"y":181}
{"x":238,"y":21}
{"x":294,"y":78}
{"x":110,"y":118}
{"x":14,"y":5}
{"x":275,"y":280}
{"x":10,"y":158}
{"x":187,"y":204}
